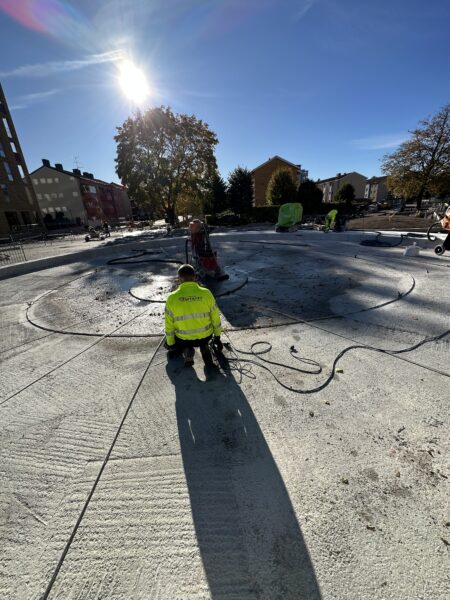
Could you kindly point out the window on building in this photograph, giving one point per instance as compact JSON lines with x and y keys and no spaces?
{"x":6,"y":126}
{"x":2,"y":151}
{"x":42,"y":179}
{"x":13,"y":147}
{"x":75,"y":194}
{"x":39,"y":196}
{"x":54,"y":195}
{"x":21,"y":171}
{"x":89,"y":189}
{"x":4,"y":189}
{"x":12,"y":218}
{"x":47,"y":196}
{"x":8,"y":171}
{"x":56,"y":179}
{"x":60,"y":195}
{"x":49,"y":180}
{"x":35,"y":181}
{"x":71,"y":178}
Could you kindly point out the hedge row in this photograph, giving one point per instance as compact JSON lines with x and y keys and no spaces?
{"x":268,"y":214}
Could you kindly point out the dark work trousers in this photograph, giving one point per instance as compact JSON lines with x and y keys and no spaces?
{"x":202,"y":344}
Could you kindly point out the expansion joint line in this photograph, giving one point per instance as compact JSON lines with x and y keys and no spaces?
{"x":85,"y":349}
{"x":97,"y":479}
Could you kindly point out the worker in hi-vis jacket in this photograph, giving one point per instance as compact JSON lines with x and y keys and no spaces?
{"x":192,"y":319}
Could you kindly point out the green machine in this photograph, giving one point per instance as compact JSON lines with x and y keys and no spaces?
{"x":289,"y":216}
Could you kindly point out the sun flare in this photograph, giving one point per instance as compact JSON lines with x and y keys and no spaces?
{"x":133,"y":82}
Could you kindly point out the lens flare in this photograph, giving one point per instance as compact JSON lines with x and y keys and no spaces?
{"x":133,"y":82}
{"x":56,"y":18}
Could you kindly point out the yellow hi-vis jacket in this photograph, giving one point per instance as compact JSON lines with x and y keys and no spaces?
{"x":191,"y":314}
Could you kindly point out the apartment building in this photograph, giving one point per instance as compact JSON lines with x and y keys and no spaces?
{"x":261,"y":176}
{"x":331,"y":185}
{"x":18,"y":204}
{"x":376,"y":189}
{"x":78,"y":198}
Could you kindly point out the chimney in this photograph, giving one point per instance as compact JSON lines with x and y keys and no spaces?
{"x":91,"y":175}
{"x":58,"y":166}
{"x":76,"y":172}
{"x":45,"y":162}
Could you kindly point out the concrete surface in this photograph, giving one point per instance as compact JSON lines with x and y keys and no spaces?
{"x":228,"y":486}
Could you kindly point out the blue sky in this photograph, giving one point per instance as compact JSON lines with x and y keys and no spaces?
{"x":330,"y":84}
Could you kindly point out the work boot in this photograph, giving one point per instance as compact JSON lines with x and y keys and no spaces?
{"x":188,"y":355}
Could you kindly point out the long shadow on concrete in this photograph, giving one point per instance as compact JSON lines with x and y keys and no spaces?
{"x":248,"y":535}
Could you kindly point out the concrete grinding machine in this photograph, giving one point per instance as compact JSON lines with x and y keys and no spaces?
{"x":202,"y":257}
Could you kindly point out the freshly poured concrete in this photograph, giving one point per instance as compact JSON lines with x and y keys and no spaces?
{"x":229,"y":487}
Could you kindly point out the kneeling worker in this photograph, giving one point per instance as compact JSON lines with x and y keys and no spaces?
{"x":192,"y":319}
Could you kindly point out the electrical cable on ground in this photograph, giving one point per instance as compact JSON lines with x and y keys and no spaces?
{"x":97,"y":479}
{"x":236,"y":360}
{"x":394,"y":353}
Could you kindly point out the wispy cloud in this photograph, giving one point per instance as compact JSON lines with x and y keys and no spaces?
{"x":305,"y":6}
{"x":29,"y":99}
{"x":380,"y":142}
{"x":62,"y":66}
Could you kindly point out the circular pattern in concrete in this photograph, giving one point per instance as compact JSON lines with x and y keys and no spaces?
{"x":267,"y":287}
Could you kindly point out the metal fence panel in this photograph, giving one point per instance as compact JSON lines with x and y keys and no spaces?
{"x":11,"y":253}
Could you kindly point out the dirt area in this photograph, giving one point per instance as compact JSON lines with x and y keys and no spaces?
{"x":387,"y":221}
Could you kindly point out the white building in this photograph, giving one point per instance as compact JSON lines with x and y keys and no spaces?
{"x":376,"y":189}
{"x":331,"y":185}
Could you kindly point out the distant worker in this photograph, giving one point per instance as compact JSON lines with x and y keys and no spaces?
{"x":192,"y":319}
{"x":330,"y":220}
{"x":106,"y":229}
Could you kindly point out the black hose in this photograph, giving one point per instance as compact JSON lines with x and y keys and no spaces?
{"x":125,"y":260}
{"x":377,"y":242}
{"x":433,"y":238}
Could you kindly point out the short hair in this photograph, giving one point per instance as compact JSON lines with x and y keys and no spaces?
{"x":186,"y":271}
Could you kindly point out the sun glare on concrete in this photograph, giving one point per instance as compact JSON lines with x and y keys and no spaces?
{"x":133,"y":82}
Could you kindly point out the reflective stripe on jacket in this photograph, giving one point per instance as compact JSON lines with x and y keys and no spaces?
{"x":191,"y":314}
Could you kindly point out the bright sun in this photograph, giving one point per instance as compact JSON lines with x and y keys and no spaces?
{"x":133,"y":82}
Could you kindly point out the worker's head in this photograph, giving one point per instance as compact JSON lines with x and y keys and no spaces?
{"x":186,"y":273}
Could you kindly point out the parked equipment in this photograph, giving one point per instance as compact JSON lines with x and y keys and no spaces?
{"x":289,"y":216}
{"x":444,"y":225}
{"x":203,"y":258}
{"x":93,"y":234}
